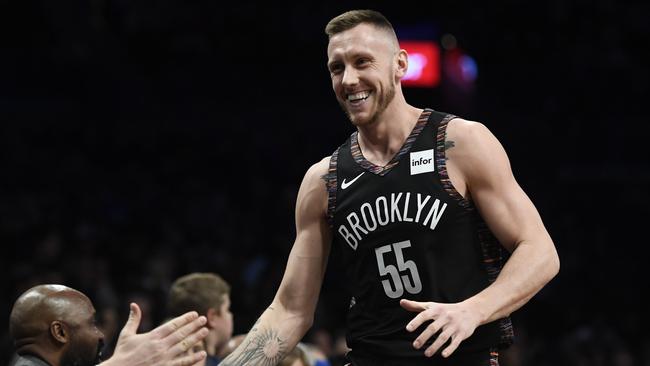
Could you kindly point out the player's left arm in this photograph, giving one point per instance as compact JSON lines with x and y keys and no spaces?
{"x":481,"y":163}
{"x":513,"y":219}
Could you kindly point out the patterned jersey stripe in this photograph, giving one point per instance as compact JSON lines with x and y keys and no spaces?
{"x":441,"y":161}
{"x":331,"y":184}
{"x":383,"y":170}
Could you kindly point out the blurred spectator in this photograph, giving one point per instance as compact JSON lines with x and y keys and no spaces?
{"x":55,"y":325}
{"x":297,"y":357}
{"x":209,"y":295}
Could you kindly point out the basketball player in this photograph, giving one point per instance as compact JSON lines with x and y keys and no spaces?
{"x":55,"y":325}
{"x":421,"y":204}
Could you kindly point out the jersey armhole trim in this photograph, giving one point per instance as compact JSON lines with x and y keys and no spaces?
{"x":331,"y":184}
{"x":441,"y":162}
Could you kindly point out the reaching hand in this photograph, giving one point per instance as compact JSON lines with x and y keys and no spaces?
{"x":454,"y":321}
{"x":161,"y":346}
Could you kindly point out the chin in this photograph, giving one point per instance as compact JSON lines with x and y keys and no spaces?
{"x":357,"y":119}
{"x":360,"y":122}
{"x":362,"y":119}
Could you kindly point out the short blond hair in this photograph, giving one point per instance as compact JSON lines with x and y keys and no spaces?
{"x":352,"y":18}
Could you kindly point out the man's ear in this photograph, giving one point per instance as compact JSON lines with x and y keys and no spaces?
{"x":402,"y":64}
{"x":60,"y":332}
{"x":212,"y":315}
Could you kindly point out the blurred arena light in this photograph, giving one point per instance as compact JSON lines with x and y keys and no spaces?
{"x":424,"y":64}
{"x":459,"y":68}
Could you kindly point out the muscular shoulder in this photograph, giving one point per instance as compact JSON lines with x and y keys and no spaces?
{"x":315,"y":177}
{"x":313,"y":190}
{"x":474,"y":150}
{"x":319,"y":169}
{"x":467,"y":132}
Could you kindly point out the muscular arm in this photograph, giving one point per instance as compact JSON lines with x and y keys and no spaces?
{"x":291,"y":313}
{"x":510,"y":215}
{"x":479,"y":169}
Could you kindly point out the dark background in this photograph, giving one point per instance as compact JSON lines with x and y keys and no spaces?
{"x":141,"y":140}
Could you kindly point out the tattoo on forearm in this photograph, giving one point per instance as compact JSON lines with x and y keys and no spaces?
{"x":264,"y":348}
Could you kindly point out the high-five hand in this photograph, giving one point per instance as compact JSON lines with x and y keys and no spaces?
{"x":161,"y":346}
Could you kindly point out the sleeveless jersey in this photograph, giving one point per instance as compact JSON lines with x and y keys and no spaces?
{"x":403,"y":231}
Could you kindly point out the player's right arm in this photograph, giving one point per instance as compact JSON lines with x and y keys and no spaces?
{"x":291,"y":313}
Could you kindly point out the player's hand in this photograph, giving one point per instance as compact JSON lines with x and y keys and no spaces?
{"x":454,"y":321}
{"x":161,"y":346}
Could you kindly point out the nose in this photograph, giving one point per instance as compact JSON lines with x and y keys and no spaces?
{"x":350,"y":77}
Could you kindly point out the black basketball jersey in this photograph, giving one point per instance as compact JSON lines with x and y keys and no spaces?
{"x":403,"y":231}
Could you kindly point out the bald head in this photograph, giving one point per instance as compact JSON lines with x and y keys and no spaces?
{"x":55,"y":323}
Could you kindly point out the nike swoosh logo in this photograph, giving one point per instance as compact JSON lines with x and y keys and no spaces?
{"x":345,"y":184}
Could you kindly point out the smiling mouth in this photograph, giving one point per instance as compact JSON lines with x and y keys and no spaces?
{"x":358,"y":97}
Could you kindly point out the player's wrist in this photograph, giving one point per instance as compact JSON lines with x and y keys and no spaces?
{"x":478,"y":308}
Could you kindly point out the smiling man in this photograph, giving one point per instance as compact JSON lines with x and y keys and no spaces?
{"x":55,"y":325}
{"x":423,"y":206}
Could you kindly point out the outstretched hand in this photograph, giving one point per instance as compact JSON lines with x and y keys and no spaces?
{"x":161,"y":346}
{"x":454,"y":321}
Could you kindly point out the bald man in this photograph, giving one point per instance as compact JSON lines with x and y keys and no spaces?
{"x":54,"y":325}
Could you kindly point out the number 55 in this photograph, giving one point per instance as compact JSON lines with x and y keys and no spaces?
{"x":399,"y":283}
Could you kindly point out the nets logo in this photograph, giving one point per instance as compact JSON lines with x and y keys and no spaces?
{"x":422,"y":162}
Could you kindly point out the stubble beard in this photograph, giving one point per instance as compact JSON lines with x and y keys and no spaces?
{"x":383,"y":102}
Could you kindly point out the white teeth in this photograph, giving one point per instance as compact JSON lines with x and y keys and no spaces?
{"x":358,"y":96}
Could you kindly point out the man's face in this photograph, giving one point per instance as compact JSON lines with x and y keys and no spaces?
{"x":86,"y":340}
{"x":361,"y":62}
{"x":224,"y":323}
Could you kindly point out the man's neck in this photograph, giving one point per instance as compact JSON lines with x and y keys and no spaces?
{"x":36,"y":350}
{"x":36,"y":359}
{"x":381,"y":140}
{"x":211,"y":343}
